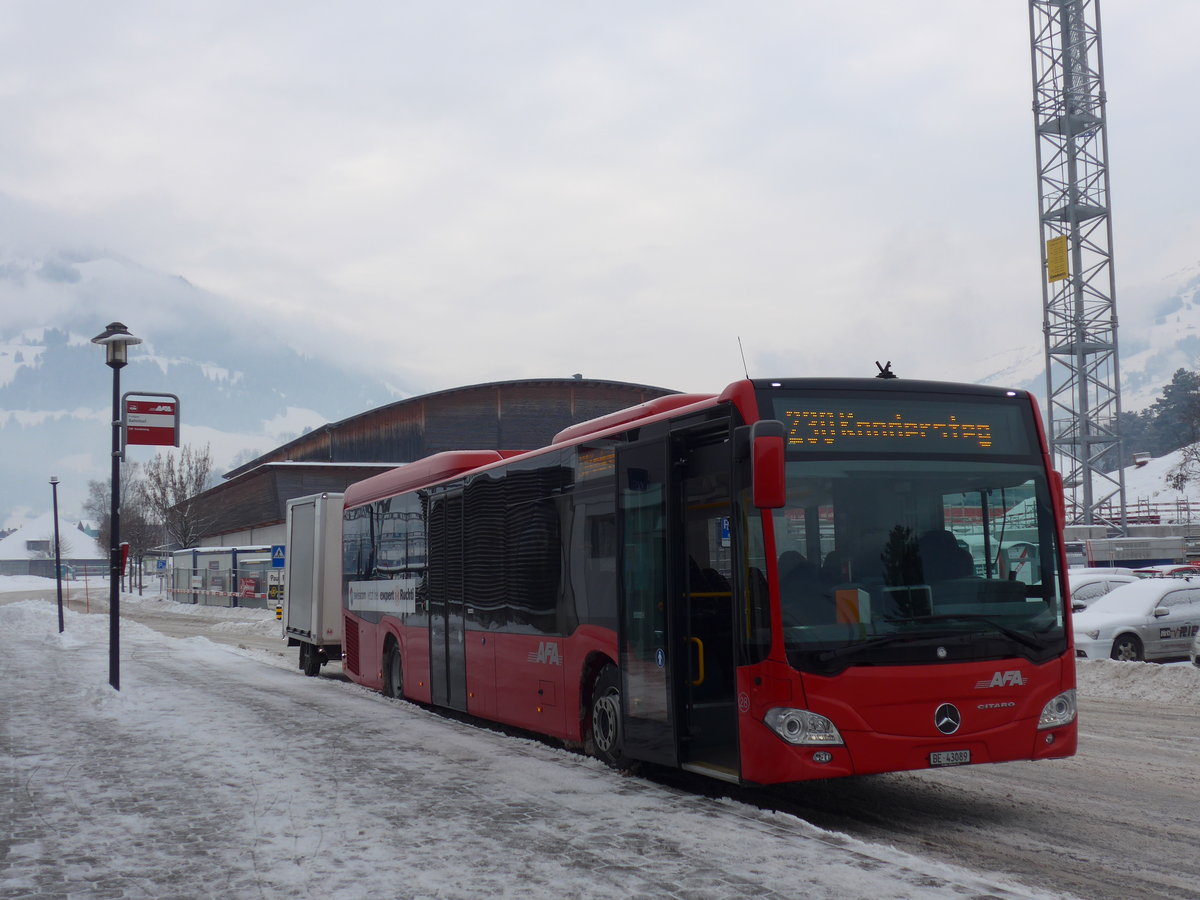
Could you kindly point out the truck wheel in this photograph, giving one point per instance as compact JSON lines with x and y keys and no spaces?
{"x":607,"y":739}
{"x":310,"y":660}
{"x":393,"y":673}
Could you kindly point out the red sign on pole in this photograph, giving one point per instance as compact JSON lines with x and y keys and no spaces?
{"x":151,"y":422}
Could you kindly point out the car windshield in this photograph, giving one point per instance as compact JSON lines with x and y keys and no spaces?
{"x":886,"y":561}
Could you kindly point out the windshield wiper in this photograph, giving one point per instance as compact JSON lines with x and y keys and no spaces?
{"x":1012,"y":634}
{"x":881,"y":641}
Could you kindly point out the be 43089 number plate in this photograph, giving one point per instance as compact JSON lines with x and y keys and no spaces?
{"x":950,"y":758}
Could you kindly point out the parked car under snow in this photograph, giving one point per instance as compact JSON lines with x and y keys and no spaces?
{"x":1089,"y":584}
{"x":1152,"y":619}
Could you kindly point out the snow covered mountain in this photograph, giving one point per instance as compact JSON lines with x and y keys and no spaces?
{"x":1158,"y":337}
{"x":1159,"y":334}
{"x":242,"y":388}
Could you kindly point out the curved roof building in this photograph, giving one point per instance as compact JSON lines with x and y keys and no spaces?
{"x":251,"y":504}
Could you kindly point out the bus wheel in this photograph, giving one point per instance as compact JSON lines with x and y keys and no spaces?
{"x":606,"y":738}
{"x":310,"y":660}
{"x":1128,"y":648}
{"x":393,"y":673}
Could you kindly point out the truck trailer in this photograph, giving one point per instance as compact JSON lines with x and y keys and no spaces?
{"x":312,"y":594}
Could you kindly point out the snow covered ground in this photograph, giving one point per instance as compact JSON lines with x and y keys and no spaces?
{"x":221,"y":771}
{"x":1150,"y":483}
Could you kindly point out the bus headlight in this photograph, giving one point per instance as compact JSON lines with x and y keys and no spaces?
{"x":1059,"y":711}
{"x":799,"y":726}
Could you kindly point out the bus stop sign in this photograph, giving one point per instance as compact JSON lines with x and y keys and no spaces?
{"x":151,"y":422}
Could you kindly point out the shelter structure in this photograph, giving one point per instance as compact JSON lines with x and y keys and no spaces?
{"x":250,"y":506}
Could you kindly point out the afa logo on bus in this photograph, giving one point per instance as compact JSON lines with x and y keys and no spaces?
{"x":1012,"y":678}
{"x":547,"y":653}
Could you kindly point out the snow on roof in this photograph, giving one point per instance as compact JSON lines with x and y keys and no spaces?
{"x":74,"y":544}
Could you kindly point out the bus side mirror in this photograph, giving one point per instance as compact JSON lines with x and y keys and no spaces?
{"x":769,"y":486}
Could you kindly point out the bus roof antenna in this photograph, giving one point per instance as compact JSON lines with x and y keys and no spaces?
{"x":885,"y":371}
{"x":745,"y":368}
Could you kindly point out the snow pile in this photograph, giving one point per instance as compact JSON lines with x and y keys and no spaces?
{"x":11,"y":584}
{"x":1109,"y":679}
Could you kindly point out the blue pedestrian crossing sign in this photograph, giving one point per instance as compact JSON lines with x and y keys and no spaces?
{"x":277,"y":556}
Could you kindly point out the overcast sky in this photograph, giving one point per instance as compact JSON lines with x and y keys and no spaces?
{"x":468,"y":192}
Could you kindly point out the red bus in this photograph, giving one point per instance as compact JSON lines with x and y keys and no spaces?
{"x":792,"y":579}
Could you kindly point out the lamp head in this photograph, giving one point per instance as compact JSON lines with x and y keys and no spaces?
{"x":116,"y":340}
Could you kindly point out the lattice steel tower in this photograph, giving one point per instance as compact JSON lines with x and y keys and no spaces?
{"x":1078,"y":291}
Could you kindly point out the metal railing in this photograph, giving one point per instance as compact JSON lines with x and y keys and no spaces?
{"x":245,"y":586}
{"x":1146,"y":512}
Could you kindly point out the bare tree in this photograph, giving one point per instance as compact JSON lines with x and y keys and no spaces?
{"x":136,"y":519}
{"x":1187,"y":470}
{"x":172,"y":482}
{"x":45,"y":547}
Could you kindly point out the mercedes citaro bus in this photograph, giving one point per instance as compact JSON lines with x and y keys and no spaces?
{"x":791,"y":579}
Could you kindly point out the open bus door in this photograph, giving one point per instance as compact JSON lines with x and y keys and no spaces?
{"x":707,"y":612}
{"x":676,"y":623}
{"x":646,"y":659}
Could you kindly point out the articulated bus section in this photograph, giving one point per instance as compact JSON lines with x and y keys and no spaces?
{"x":790,"y":580}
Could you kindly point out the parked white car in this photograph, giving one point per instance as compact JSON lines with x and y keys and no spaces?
{"x":1150,"y":619}
{"x":1089,"y":584}
{"x":1195,"y":652}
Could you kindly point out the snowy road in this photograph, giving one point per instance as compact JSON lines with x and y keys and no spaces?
{"x":219,"y":772}
{"x":1119,"y":820}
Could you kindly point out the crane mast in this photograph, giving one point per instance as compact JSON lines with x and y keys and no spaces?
{"x":1078,"y":288}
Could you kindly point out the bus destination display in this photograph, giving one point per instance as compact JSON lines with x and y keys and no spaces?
{"x":895,"y":425}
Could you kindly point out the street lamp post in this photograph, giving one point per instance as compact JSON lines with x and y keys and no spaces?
{"x":57,"y":554}
{"x":116,"y":340}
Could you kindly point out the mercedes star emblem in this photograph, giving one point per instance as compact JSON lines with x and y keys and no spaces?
{"x":947,"y":718}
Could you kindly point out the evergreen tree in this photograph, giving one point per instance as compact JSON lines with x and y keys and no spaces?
{"x":1176,"y":414}
{"x":1171,"y":422}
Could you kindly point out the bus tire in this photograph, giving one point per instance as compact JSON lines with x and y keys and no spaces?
{"x":310,"y":659}
{"x":393,"y":673}
{"x":606,"y":739}
{"x":1127,"y":647}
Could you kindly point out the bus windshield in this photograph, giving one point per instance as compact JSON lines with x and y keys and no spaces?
{"x":896,"y":559}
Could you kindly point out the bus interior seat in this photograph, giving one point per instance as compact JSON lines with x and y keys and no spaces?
{"x":942,"y":558}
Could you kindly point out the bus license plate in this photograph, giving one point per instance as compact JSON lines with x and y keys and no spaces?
{"x":950,"y":758}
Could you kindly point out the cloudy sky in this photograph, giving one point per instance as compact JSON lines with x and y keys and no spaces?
{"x":468,"y":192}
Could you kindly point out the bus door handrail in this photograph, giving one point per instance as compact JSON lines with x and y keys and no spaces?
{"x":696,"y":682}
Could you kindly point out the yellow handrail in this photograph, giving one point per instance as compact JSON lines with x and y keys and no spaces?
{"x":700,"y":658}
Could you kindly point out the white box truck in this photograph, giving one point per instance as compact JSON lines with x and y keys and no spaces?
{"x":312,"y":583}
